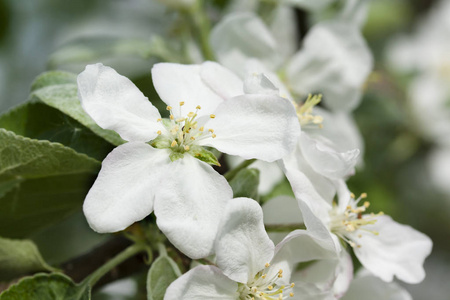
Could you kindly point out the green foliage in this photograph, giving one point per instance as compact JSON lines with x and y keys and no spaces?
{"x":245,"y":183}
{"x":41,"y":182}
{"x":46,"y":287}
{"x":20,"y":257}
{"x":28,"y":158}
{"x":204,"y":155}
{"x":161,"y":274}
{"x":59,"y":90}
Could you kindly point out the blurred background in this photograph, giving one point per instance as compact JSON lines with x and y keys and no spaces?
{"x":404,"y":116}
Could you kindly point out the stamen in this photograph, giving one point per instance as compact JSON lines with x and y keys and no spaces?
{"x":174,"y":143}
{"x":181,"y":103}
{"x":169,"y":108}
{"x":212,"y":116}
{"x":159,"y":132}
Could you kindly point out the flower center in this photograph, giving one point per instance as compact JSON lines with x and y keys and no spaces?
{"x":304,"y":112}
{"x":352,"y":219}
{"x":183,"y":133}
{"x":265,"y":288}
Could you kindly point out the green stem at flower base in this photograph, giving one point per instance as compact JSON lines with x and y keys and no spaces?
{"x":118,"y":259}
{"x":284,"y":227}
{"x":230,"y":174}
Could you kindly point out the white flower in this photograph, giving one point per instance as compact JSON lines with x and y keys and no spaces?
{"x":384,"y":247}
{"x":248,"y":264}
{"x":334,"y":59}
{"x":207,"y":108}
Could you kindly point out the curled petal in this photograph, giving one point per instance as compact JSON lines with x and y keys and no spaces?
{"x":242,"y":246}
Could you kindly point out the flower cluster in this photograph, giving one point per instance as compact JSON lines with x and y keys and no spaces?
{"x":259,"y":101}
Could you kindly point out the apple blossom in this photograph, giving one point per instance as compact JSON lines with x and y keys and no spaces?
{"x":249,"y":266}
{"x":157,"y":169}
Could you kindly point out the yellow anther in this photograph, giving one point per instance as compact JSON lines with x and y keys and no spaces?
{"x":366,"y":204}
{"x":192,"y":138}
{"x":181,"y":103}
{"x":198,"y":107}
{"x":169,"y":107}
{"x":213,"y":135}
{"x":212,"y":116}
{"x":179,"y":120}
{"x":270,"y":287}
{"x":174,"y":143}
{"x":291,"y":294}
{"x":267,"y":265}
{"x":352,"y":195}
{"x":158,"y":120}
{"x":363,"y":195}
{"x":264,"y":276}
{"x":211,"y":130}
{"x":348,"y":207}
{"x":186,"y":148}
{"x":280,"y":271}
{"x":280,"y":275}
{"x":191,"y":114}
{"x":172,"y":117}
{"x":159,"y":132}
{"x":292,"y":285}
{"x":201,"y":129}
{"x":358,"y":246}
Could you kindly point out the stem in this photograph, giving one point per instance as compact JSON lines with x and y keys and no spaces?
{"x":203,"y":27}
{"x":284,"y":227}
{"x":118,"y":259}
{"x":230,"y":174}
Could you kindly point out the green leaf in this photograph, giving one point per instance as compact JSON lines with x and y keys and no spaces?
{"x":281,"y":189}
{"x":161,"y":274}
{"x":37,"y":203}
{"x":47,"y":287}
{"x":245,"y":183}
{"x":20,"y":257}
{"x":53,"y":78}
{"x":59,"y":90}
{"x":204,"y":155}
{"x":24,"y":157}
{"x":38,"y":121}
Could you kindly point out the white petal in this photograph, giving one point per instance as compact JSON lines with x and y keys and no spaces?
{"x":254,"y":126}
{"x":177,"y":83}
{"x":221,"y":80}
{"x":282,"y":210}
{"x":369,"y":287}
{"x":241,"y":36}
{"x":398,"y":250}
{"x":341,"y":130}
{"x":323,"y":185}
{"x":302,"y":246}
{"x":202,"y":283}
{"x":189,"y":205}
{"x":242,"y":246}
{"x":115,"y":103}
{"x":315,"y":209}
{"x":334,"y":61}
{"x":325,"y":160}
{"x":330,"y":277}
{"x":125,"y":187}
